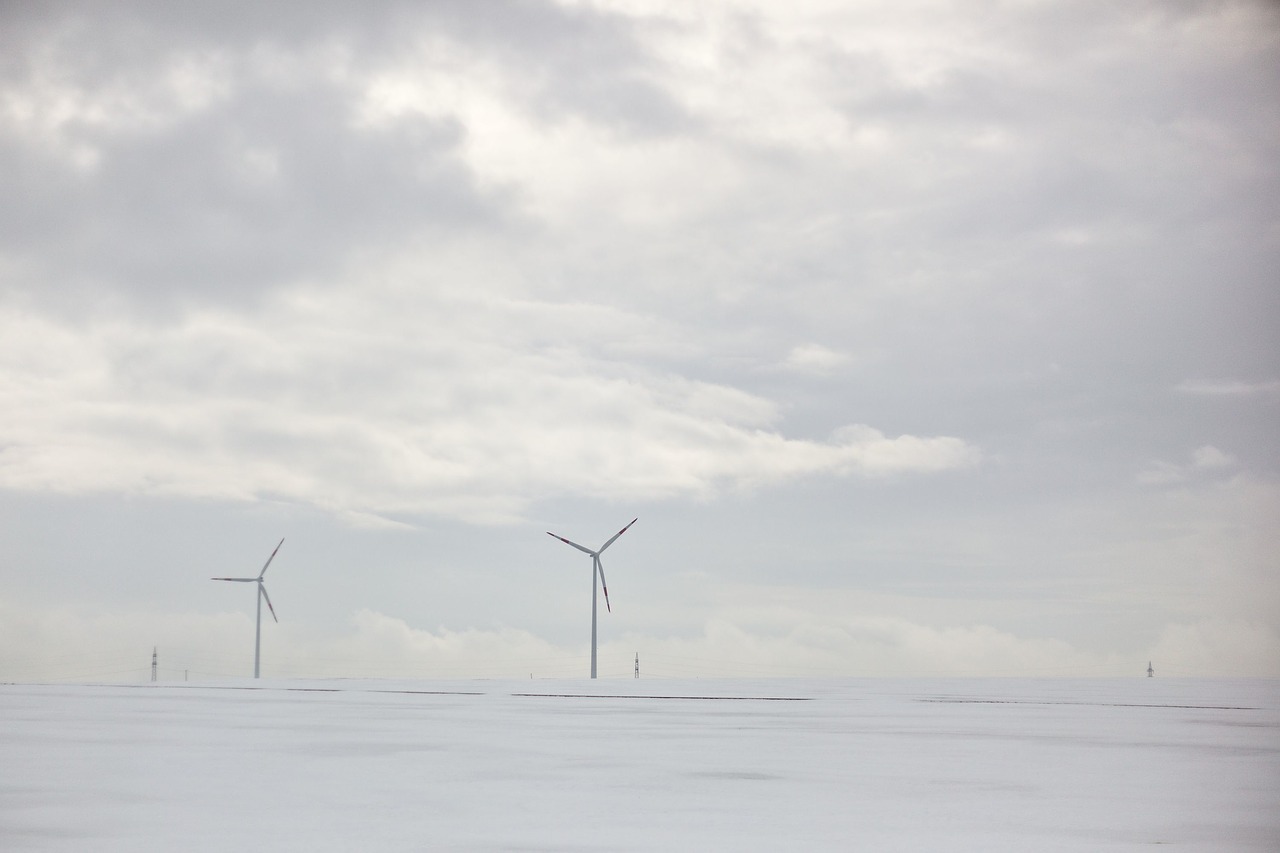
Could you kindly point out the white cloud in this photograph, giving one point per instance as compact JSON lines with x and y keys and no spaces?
{"x":1206,"y":461}
{"x":53,"y":107}
{"x":1217,"y":647}
{"x":101,"y":644}
{"x":71,"y":644}
{"x":1227,"y":388}
{"x":347,"y":404}
{"x":871,"y":646}
{"x":390,"y":646}
{"x":815,"y":358}
{"x":1211,"y":457}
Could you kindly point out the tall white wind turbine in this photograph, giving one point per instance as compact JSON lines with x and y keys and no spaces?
{"x":262,"y":594}
{"x":597,"y":569}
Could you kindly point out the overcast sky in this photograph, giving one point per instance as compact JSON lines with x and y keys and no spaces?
{"x":922,"y":338}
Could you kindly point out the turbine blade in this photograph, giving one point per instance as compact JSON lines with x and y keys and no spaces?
{"x":603,"y":585}
{"x":574,"y":544}
{"x":237,"y":580}
{"x":262,"y":588}
{"x":616,"y":535}
{"x":269,"y":559}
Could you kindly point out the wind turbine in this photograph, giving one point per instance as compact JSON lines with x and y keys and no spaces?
{"x":262,"y":593}
{"x":597,"y":568}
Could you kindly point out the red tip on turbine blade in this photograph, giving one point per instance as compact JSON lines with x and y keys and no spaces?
{"x":262,"y":590}
{"x":269,"y":559}
{"x":606,"y":596}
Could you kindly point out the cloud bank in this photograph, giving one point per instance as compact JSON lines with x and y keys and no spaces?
{"x":966,"y":306}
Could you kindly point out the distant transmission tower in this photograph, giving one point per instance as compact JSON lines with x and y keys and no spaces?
{"x":637,"y":664}
{"x":153,"y":663}
{"x":1151,"y":673}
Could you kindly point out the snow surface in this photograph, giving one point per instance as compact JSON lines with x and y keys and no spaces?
{"x":926,"y":764}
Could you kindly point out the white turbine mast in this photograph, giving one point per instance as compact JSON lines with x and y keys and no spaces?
{"x":262,"y":594}
{"x":597,"y":569}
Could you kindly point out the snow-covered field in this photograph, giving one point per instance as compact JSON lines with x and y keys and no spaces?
{"x":777,"y":764}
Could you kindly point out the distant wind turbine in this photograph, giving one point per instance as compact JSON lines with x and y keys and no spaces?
{"x":262,"y":593}
{"x":597,"y":568}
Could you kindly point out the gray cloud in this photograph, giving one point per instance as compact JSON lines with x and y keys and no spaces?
{"x":966,"y":300}
{"x":311,"y":406}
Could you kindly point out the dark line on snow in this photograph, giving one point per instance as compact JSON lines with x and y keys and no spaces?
{"x":625,"y":696}
{"x":1087,"y":704}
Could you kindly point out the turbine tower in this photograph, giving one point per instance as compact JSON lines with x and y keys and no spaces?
{"x":262,"y":593}
{"x":597,"y":569}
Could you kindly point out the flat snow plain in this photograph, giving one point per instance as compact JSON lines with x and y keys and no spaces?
{"x":778,"y":764}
